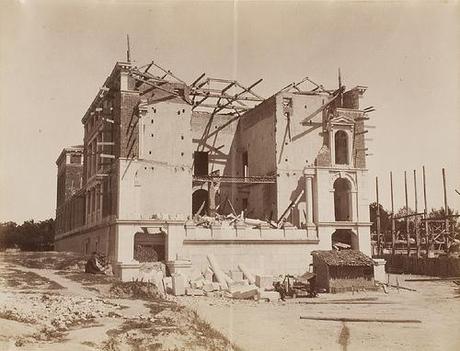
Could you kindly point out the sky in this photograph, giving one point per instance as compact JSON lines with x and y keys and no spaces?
{"x":54,"y":56}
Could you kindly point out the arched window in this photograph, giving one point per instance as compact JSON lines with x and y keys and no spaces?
{"x":199,"y":202}
{"x":342,"y":200}
{"x":341,"y":148}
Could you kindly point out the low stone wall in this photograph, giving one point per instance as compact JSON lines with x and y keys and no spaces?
{"x":262,"y":251}
{"x":442,"y":266}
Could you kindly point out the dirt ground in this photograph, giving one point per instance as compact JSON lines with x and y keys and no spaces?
{"x":46,"y":303}
{"x":43,"y":308}
{"x":277,"y":325}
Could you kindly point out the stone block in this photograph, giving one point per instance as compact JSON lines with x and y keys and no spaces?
{"x":379,"y":270}
{"x":198,"y":284}
{"x":208,"y":275}
{"x":264,"y":281}
{"x":208,"y":287}
{"x":248,"y":292}
{"x":167,"y":283}
{"x":178,"y":285}
{"x":236,"y":276}
{"x":194,"y":292}
{"x":269,"y":295}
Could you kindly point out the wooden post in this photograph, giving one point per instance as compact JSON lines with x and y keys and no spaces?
{"x":379,"y":243}
{"x":407,"y":212}
{"x":446,"y":210}
{"x":416,"y":222}
{"x":393,"y":239}
{"x":212,"y":199}
{"x":425,"y":214}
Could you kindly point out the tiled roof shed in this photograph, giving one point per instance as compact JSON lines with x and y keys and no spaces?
{"x":345,"y":270}
{"x":344,"y":258}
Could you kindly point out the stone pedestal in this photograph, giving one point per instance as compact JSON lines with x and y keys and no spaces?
{"x":183,"y":267}
{"x":379,"y":270}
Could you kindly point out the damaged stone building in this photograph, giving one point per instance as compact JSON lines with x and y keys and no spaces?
{"x":271,"y":179}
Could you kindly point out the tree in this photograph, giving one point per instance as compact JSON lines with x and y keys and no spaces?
{"x":31,"y":236}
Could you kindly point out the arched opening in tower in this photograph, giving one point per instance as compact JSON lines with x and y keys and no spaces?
{"x":341,"y":148}
{"x":343,"y":239}
{"x":342,"y":200}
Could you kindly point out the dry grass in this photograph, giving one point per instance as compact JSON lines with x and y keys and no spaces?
{"x":46,"y":260}
{"x":18,"y":279}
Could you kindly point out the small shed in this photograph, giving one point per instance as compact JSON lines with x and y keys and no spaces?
{"x":345,"y":270}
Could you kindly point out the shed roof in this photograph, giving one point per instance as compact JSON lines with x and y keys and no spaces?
{"x":344,"y":258}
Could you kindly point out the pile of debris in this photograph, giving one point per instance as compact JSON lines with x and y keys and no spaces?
{"x":237,"y":284}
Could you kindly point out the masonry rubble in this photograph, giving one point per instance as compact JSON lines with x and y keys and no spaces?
{"x":236,"y":284}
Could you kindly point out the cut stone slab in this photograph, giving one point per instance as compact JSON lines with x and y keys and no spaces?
{"x":269,"y":295}
{"x":264,"y":281}
{"x":208,"y":287}
{"x":208,"y":274}
{"x":246,"y":293}
{"x":194,"y":292}
{"x":237,"y":276}
{"x":178,"y":285}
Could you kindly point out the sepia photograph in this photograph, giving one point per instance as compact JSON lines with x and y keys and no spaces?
{"x":229,"y":175}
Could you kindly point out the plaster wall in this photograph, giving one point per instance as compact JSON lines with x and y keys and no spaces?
{"x":101,"y":240}
{"x":150,"y":191}
{"x":215,"y":136}
{"x":296,"y":147}
{"x":255,"y":135}
{"x":159,"y":183}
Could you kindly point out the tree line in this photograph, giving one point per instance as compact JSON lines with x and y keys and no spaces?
{"x":30,"y":236}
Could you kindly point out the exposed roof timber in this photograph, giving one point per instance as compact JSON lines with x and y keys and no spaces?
{"x":296,"y":86}
{"x":233,"y":96}
{"x":226,"y":106}
{"x":155,"y":86}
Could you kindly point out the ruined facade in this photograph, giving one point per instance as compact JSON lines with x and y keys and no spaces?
{"x":156,"y":152}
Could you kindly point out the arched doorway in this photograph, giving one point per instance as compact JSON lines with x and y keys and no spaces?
{"x":343,"y":239}
{"x":342,"y":200}
{"x":199,"y":202}
{"x":341,"y":148}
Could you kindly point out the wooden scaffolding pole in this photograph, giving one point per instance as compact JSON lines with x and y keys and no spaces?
{"x":407,"y":212}
{"x":393,"y":238}
{"x":446,"y":210}
{"x":425,"y":211}
{"x":379,"y":243}
{"x":416,"y":221}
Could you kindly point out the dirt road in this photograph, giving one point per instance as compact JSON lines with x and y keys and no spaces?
{"x":277,"y":326}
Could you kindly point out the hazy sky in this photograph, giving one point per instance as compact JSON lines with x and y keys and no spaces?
{"x":55,"y":55}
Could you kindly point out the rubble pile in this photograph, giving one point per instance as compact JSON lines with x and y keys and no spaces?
{"x":55,"y":313}
{"x":237,"y":284}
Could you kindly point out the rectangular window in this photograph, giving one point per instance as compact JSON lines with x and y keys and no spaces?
{"x":201,"y":163}
{"x":76,"y":159}
{"x":245,"y":164}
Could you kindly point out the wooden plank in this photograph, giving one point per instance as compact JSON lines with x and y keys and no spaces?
{"x":407,"y":209}
{"x":365,"y":320}
{"x":416,"y":222}
{"x":107,"y":156}
{"x":393,"y":238}
{"x":431,"y":279}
